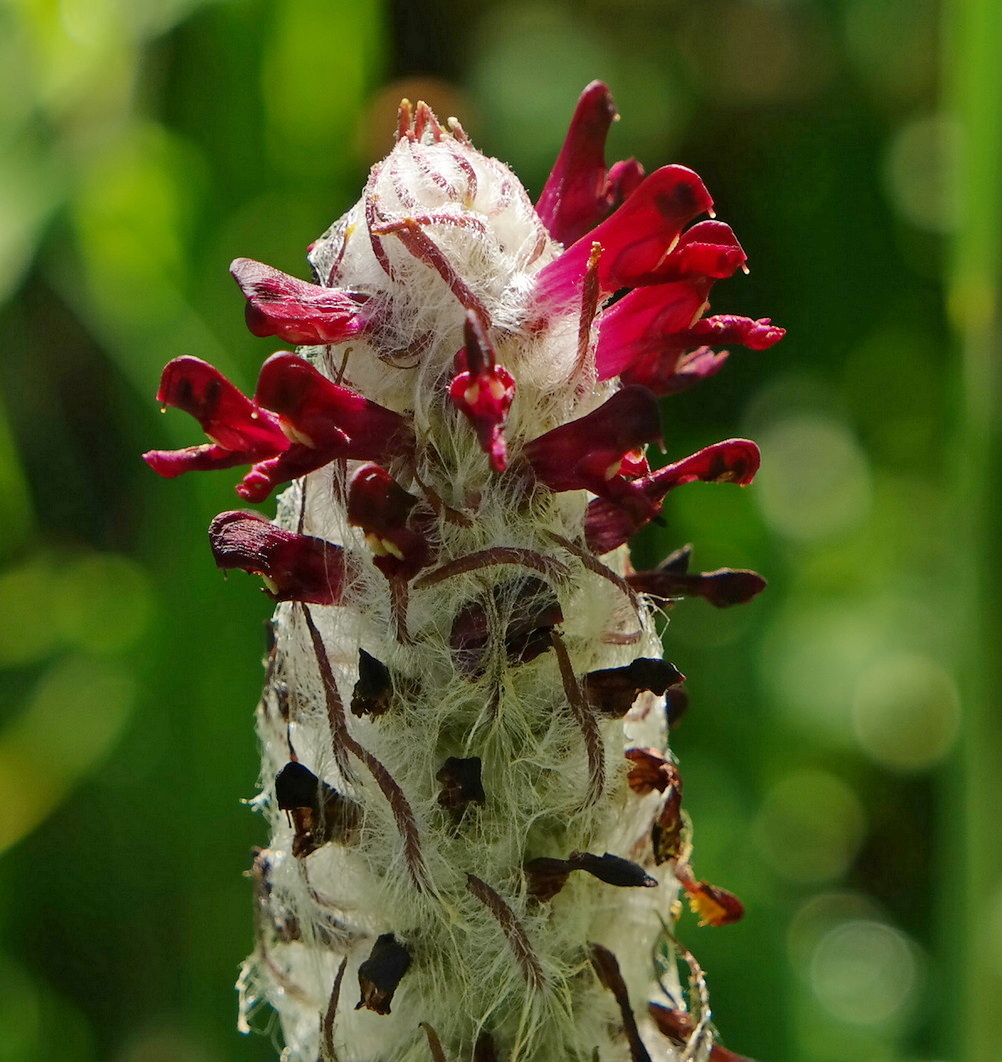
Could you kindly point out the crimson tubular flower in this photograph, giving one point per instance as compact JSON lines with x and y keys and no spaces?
{"x":491,"y":843}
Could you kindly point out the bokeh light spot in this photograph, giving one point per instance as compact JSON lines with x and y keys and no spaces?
{"x":917,"y":169}
{"x":810,"y":826}
{"x":864,"y":972}
{"x":815,"y":480}
{"x":71,"y":722}
{"x":906,"y":712}
{"x":104,"y":603}
{"x":810,"y":659}
{"x":26,"y":629}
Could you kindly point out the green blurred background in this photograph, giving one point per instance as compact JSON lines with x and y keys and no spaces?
{"x":841,"y":757}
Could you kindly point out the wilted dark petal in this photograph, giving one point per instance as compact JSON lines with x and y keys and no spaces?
{"x":579,"y":192}
{"x":241,"y":431}
{"x":374,"y":689}
{"x":650,"y":770}
{"x":612,"y":869}
{"x":483,"y":391}
{"x":386,"y":513}
{"x":667,"y":833}
{"x":714,"y":905}
{"x":608,"y":524}
{"x":469,"y":637}
{"x":644,"y":322}
{"x":529,"y":611}
{"x":294,"y":567}
{"x":381,"y":973}
{"x":484,"y":1049}
{"x":724,"y":587}
{"x":635,"y":239}
{"x":676,"y":705}
{"x":545,"y":877}
{"x":296,"y":786}
{"x":597,"y":450}
{"x":319,"y":813}
{"x":294,"y":310}
{"x":612,"y":691}
{"x":461,"y":783}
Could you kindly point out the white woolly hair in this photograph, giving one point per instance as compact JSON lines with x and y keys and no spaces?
{"x":321,"y":914}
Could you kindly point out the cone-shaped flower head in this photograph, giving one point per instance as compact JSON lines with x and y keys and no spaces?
{"x":479,"y":858}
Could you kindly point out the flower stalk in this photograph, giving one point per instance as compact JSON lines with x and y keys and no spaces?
{"x":477,"y":829}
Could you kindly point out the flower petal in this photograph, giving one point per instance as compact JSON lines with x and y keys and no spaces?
{"x":294,"y":567}
{"x":728,"y":328}
{"x":596,"y":451}
{"x":706,"y":249}
{"x":483,"y":391}
{"x":385,"y":512}
{"x":608,"y":524}
{"x":241,"y":431}
{"x":671,"y":370}
{"x":580,"y":191}
{"x":643,"y":322}
{"x":326,"y":422}
{"x":295,"y":310}
{"x":226,"y":415}
{"x":636,"y":239}
{"x":321,"y":414}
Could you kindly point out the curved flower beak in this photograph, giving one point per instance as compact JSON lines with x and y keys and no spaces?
{"x":294,"y":567}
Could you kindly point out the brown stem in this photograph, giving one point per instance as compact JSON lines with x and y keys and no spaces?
{"x":512,"y":928}
{"x":585,"y":718}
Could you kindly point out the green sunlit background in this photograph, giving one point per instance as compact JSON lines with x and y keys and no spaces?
{"x":841,"y":754}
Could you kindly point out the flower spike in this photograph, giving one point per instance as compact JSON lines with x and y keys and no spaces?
{"x":464,"y":670}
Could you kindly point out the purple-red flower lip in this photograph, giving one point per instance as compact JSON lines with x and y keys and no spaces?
{"x":294,"y":310}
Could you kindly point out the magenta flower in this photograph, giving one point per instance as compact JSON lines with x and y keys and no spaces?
{"x":581,"y":191}
{"x":466,"y":714}
{"x":395,"y":528}
{"x":483,"y":390}
{"x":240,"y":430}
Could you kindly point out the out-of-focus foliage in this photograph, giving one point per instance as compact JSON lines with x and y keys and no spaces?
{"x":145,"y":144}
